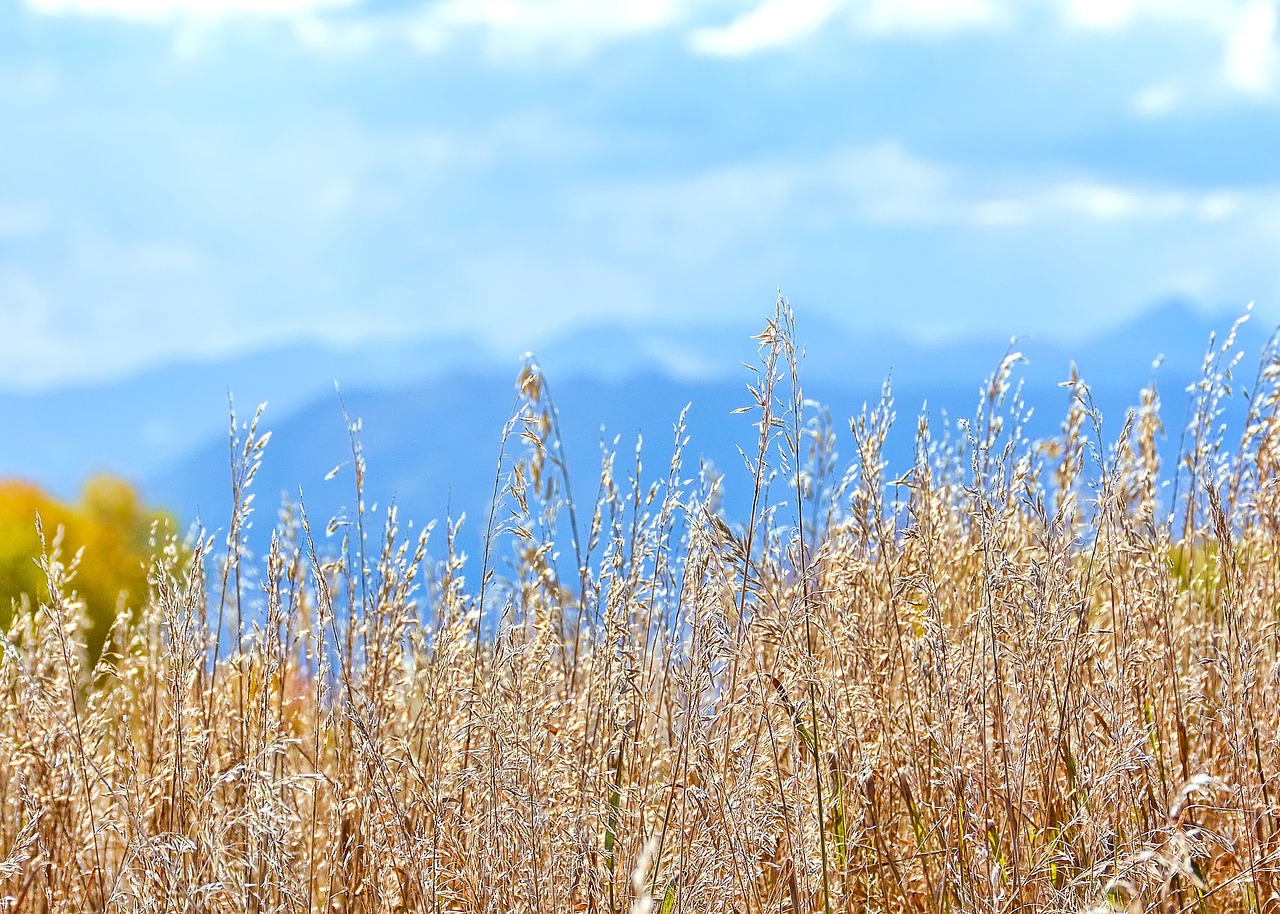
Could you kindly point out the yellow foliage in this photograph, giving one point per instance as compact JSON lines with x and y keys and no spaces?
{"x":112,"y":527}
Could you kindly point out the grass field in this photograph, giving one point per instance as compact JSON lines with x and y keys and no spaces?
{"x":1016,"y":677}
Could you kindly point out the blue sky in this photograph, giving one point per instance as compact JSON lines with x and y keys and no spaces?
{"x":192,"y":178}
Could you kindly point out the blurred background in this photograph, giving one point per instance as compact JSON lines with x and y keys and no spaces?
{"x":262,"y":197}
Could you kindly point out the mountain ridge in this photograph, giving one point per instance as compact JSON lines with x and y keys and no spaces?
{"x":426,"y":407}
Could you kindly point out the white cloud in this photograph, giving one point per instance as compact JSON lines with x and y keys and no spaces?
{"x":940,"y":17}
{"x":1245,"y":30}
{"x":1250,"y":61}
{"x":734,"y":215}
{"x":1100,"y":14}
{"x":1098,"y":202}
{"x":775,"y":24}
{"x":1251,"y":58}
{"x":772,"y":24}
{"x":556,"y":15}
{"x":1109,"y":15}
{"x":522,"y":27}
{"x":163,"y":11}
{"x":903,"y":229}
{"x":886,"y":185}
{"x":910,"y":192}
{"x":1218,"y":205}
{"x":895,"y":188}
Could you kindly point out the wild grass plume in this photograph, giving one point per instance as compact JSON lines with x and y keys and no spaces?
{"x":1012,"y":676}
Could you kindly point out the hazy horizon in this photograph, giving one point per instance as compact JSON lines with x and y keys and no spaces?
{"x":188,"y":179}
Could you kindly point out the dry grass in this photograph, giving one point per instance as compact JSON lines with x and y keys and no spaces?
{"x":1019,"y":678}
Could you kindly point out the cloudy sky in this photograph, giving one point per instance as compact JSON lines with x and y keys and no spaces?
{"x":190,"y":178}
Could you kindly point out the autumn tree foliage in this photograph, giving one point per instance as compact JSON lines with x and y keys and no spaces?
{"x":110,"y":529}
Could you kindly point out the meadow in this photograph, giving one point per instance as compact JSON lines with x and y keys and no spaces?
{"x":1013,"y":676}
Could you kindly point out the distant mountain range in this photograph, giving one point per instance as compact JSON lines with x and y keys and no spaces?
{"x":432,"y":413}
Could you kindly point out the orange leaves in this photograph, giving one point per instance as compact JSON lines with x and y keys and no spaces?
{"x":110,"y":525}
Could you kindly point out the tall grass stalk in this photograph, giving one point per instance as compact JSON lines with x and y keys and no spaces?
{"x":1017,"y":676}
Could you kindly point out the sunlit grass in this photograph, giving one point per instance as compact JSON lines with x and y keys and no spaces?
{"x":1013,"y":676}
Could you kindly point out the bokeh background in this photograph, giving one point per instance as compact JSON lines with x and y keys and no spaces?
{"x":263,"y":197}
